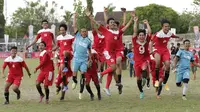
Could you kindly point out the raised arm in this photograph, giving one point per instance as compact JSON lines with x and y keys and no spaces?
{"x":148,"y":26}
{"x":74,"y":23}
{"x":35,"y":40}
{"x":135,"y":26}
{"x":124,"y":16}
{"x":88,"y":13}
{"x":130,"y":21}
{"x":105,"y":15}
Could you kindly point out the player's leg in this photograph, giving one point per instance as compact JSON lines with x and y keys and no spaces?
{"x":16,"y":85}
{"x":131,"y":70}
{"x":76,"y":66}
{"x":49,"y":76}
{"x":157,"y":68}
{"x":186,"y":78}
{"x":40,"y":79}
{"x":166,"y":60}
{"x":96,"y":82}
{"x":83,"y":69}
{"x":58,"y":82}
{"x":159,"y":89}
{"x":148,"y":80}
{"x":138,"y":72}
{"x":119,"y":68}
{"x":6,"y":91}
{"x":144,"y":72}
{"x":63,"y":92}
{"x":87,"y":83}
{"x":46,"y":88}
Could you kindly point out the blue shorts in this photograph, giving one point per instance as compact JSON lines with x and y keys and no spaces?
{"x":182,"y":74}
{"x":79,"y":65}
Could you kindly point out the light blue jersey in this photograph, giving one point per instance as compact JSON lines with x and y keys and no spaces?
{"x":81,"y":46}
{"x":183,"y":65}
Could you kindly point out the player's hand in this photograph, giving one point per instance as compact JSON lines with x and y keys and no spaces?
{"x":123,"y":9}
{"x":105,"y":9}
{"x":35,"y":71}
{"x":136,"y":19}
{"x":145,"y":21}
{"x":174,"y":70}
{"x":3,"y":76}
{"x":87,"y":12}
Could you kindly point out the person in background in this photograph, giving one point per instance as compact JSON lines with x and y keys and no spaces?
{"x":130,"y":56}
{"x":177,"y":47}
{"x":194,"y":68}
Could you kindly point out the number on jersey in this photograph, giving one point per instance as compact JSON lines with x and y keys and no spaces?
{"x":141,"y":49}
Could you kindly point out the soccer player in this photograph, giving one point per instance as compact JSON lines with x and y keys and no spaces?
{"x":15,"y":73}
{"x":92,"y":74}
{"x":46,"y":35}
{"x":140,"y":42}
{"x":182,"y":62}
{"x":82,"y":50}
{"x":161,"y":39}
{"x":46,"y":74}
{"x":64,"y":42}
{"x":194,"y":68}
{"x":111,"y":37}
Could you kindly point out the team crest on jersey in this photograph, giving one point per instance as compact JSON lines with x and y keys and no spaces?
{"x":45,"y":35}
{"x":115,"y":37}
{"x":164,"y":41}
{"x":65,"y":43}
{"x":112,"y":60}
{"x":13,"y":66}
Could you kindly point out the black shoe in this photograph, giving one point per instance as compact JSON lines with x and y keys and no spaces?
{"x":58,"y":90}
{"x":120,"y":89}
{"x":99,"y":96}
{"x":6,"y":103}
{"x":18,"y":95}
{"x":62,"y":98}
{"x":92,"y":97}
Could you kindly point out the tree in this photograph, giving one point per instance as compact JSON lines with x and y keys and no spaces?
{"x":154,"y":13}
{"x":89,"y":5}
{"x":67,"y":16}
{"x":82,"y":19}
{"x":186,"y":21}
{"x":2,"y":19}
{"x":33,"y":13}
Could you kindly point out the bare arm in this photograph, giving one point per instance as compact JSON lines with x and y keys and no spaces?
{"x":127,"y":25}
{"x":148,"y":26}
{"x":176,"y":61}
{"x":135,"y":27}
{"x":35,"y":40}
{"x":88,"y":13}
{"x":124,"y":16}
{"x":74,"y":23}
{"x":151,"y":47}
{"x":105,"y":15}
{"x":196,"y":64}
{"x":55,"y":48}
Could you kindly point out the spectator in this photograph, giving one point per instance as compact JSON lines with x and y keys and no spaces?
{"x":178,"y":47}
{"x":131,"y":63}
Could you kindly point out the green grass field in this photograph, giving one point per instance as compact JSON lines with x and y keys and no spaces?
{"x":129,"y":101}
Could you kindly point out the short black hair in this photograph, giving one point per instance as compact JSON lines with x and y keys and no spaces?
{"x":194,"y":50}
{"x":13,"y":47}
{"x":64,"y":26}
{"x":117,"y":22}
{"x":141,"y":31}
{"x":186,"y":41}
{"x":163,"y":21}
{"x":178,"y":44}
{"x":43,"y":43}
{"x":45,"y":21}
{"x":110,"y":20}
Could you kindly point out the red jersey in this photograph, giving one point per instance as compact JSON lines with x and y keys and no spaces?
{"x":15,"y":65}
{"x":141,"y":50}
{"x":93,"y":69}
{"x":120,"y":45}
{"x":65,"y":43}
{"x":99,"y":41}
{"x":111,"y":38}
{"x":46,"y":64}
{"x":161,"y":39}
{"x":47,"y":36}
{"x":196,"y":59}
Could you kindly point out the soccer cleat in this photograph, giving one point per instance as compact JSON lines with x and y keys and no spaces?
{"x":107,"y":91}
{"x":65,"y":88}
{"x":41,"y":98}
{"x":58,"y":90}
{"x":18,"y":95}
{"x":167,"y":87}
{"x":91,"y":97}
{"x":148,"y":86}
{"x":74,"y":85}
{"x":65,"y":69}
{"x":99,"y":96}
{"x":62,"y":98}
{"x":158,"y":97}
{"x":47,"y":101}
{"x":141,"y":95}
{"x":120,"y":89}
{"x":6,"y":103}
{"x":80,"y":96}
{"x":143,"y":81}
{"x":156,"y":83}
{"x":184,"y":98}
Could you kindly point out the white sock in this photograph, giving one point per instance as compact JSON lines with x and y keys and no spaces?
{"x":185,"y":87}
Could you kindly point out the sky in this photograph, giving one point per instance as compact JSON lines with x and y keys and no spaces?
{"x":177,"y":5}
